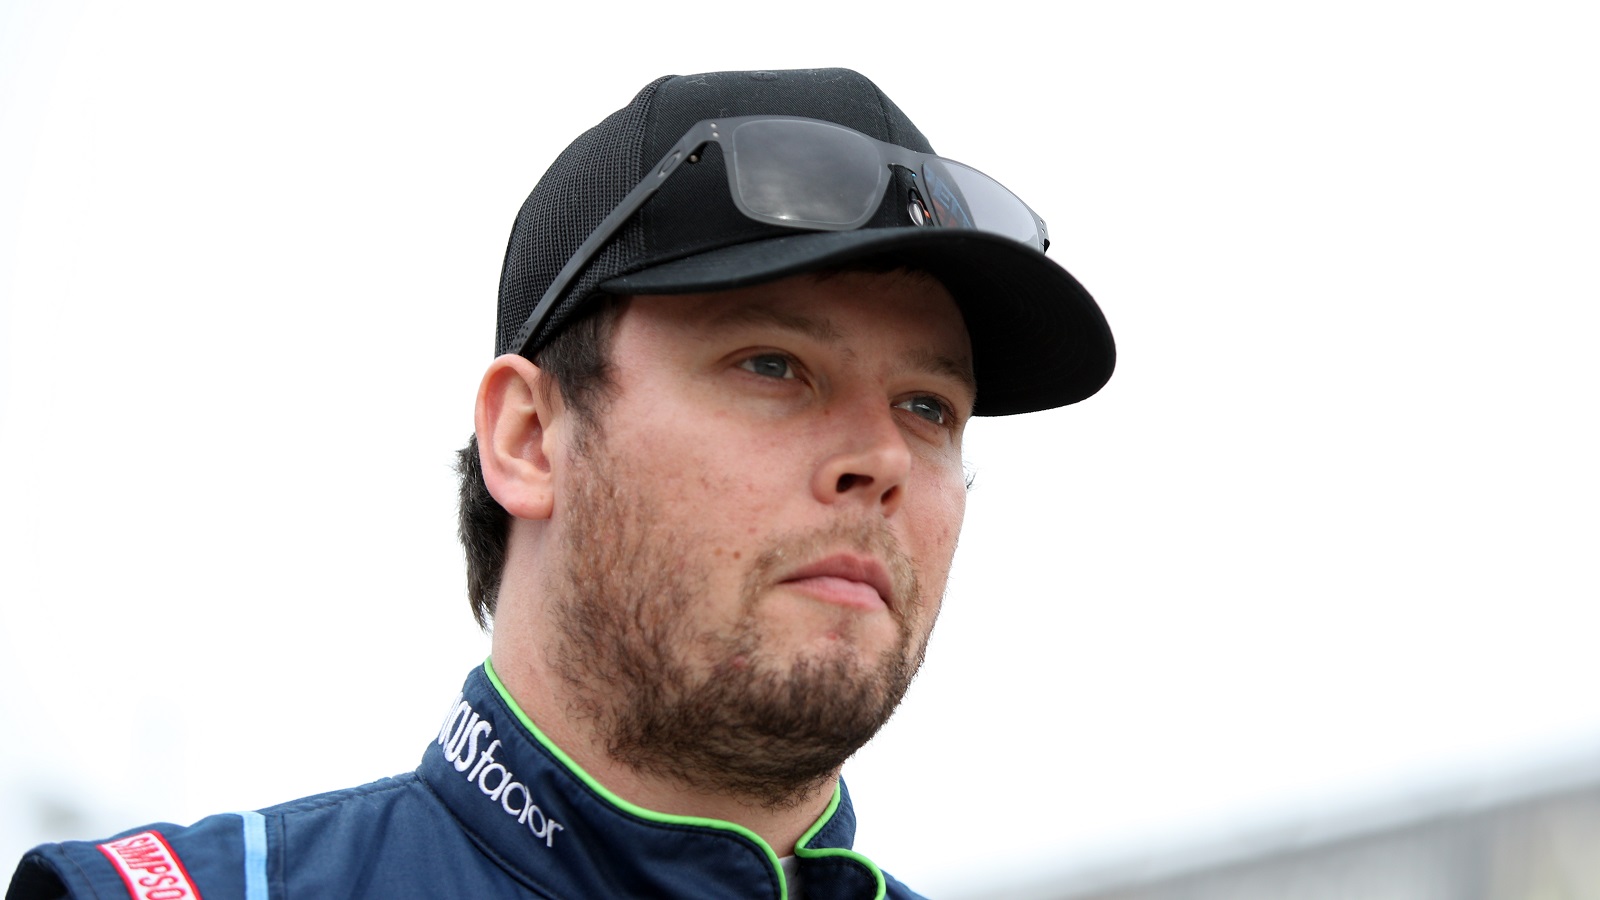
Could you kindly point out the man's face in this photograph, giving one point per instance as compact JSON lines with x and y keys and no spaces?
{"x":759,"y":526}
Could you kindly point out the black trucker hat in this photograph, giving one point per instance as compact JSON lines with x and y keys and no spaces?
{"x":1038,"y":339}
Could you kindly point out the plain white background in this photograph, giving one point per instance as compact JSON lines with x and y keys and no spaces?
{"x":1328,"y":535}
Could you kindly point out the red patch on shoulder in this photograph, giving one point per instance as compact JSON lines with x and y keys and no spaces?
{"x":149,"y":868}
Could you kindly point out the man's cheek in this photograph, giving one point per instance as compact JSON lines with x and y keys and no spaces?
{"x":942,"y":528}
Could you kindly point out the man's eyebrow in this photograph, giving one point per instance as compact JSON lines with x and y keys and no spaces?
{"x":952,"y":367}
{"x":821,"y":330}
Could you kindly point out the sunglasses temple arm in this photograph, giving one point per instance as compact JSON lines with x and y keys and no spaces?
{"x":602,"y":233}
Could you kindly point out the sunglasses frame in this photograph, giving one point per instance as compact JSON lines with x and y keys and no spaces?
{"x":721,"y":131}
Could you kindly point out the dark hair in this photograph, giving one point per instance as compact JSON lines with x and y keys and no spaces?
{"x":577,"y":363}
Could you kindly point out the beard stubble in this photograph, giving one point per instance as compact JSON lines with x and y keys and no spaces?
{"x":673,"y":694}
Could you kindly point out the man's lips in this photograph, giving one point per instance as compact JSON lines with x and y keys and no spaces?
{"x":848,"y":580}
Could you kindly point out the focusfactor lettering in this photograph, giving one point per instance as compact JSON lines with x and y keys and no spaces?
{"x":460,"y":737}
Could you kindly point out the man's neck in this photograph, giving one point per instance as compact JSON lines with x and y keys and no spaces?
{"x":541,"y":696}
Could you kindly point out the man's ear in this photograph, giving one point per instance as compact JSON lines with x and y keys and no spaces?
{"x":516,"y":440}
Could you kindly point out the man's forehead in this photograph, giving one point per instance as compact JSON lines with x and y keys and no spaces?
{"x":758,"y":312}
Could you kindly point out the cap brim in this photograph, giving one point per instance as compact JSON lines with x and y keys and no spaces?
{"x":1038,"y":339}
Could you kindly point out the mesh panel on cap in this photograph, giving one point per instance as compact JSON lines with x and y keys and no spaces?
{"x":585,"y":182}
{"x":693,"y":212}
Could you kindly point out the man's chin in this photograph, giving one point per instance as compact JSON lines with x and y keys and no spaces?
{"x":855,"y":667}
{"x":835,"y":686}
{"x":767,"y":726}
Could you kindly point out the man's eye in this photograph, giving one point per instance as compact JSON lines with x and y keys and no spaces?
{"x":930,"y":408}
{"x":770,"y":365}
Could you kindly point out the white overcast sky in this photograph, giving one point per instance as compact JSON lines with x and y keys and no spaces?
{"x":1330,"y":532}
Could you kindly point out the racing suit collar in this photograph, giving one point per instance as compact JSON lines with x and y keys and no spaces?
{"x":550,"y":825}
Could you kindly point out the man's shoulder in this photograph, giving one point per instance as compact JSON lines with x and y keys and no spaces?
{"x":229,"y":855}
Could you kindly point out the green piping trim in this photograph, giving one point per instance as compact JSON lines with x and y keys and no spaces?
{"x":801,"y":850}
{"x":670,"y":819}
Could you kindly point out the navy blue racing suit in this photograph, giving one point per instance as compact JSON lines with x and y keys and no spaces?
{"x":494,"y":810}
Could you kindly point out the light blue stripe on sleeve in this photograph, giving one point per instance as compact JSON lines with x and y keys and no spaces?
{"x":255,"y":855}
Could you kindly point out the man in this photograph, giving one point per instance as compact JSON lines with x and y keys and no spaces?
{"x":710,"y":506}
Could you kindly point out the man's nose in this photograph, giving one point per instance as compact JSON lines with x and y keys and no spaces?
{"x":870,"y":460}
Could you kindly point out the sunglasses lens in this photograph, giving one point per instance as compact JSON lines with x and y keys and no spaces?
{"x":806,"y":173}
{"x":962,"y":197}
